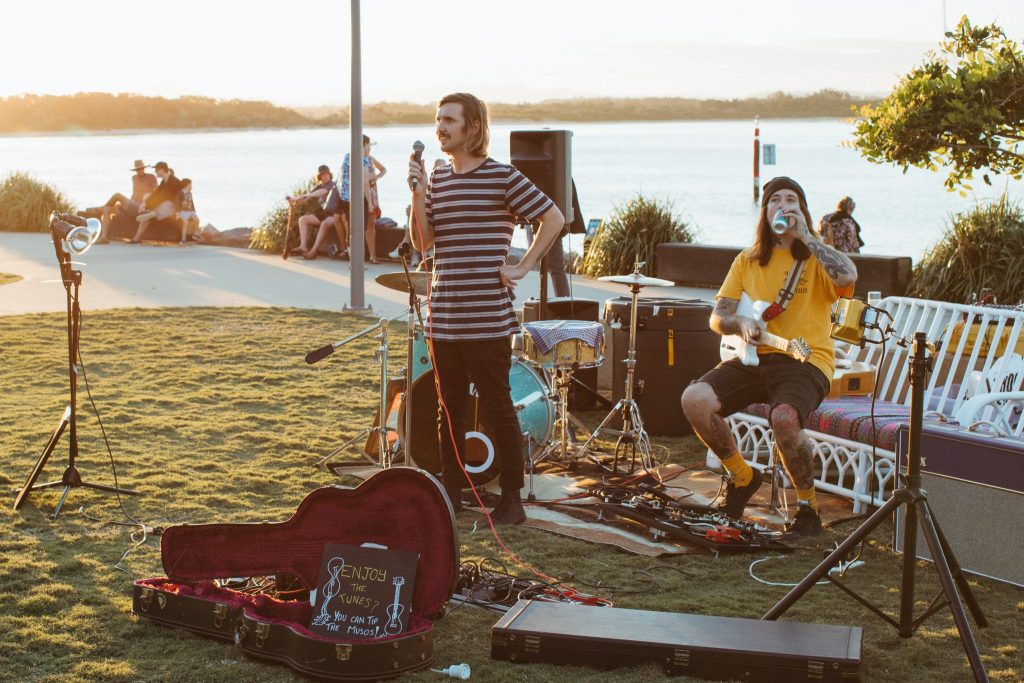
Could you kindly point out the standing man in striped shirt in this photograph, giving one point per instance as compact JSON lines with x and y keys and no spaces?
{"x":467,"y":213}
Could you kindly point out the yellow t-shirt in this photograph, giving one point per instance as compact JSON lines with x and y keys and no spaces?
{"x":808,"y":314}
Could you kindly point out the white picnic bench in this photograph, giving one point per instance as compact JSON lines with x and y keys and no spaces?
{"x":976,"y":382}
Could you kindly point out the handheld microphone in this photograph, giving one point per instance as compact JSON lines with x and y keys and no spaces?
{"x":417,"y":155}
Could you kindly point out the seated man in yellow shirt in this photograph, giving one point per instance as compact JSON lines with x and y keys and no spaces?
{"x":791,"y":388}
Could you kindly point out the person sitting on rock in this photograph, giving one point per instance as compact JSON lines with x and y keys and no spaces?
{"x":160,"y":204}
{"x":187,"y":212}
{"x":310,"y":221}
{"x":142,"y":185}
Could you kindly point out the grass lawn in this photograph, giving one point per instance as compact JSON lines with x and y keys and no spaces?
{"x":214,"y":416}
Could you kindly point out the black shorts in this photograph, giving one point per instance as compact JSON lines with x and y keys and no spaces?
{"x":778,"y":379}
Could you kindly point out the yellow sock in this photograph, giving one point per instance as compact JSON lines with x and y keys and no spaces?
{"x":808,"y":496}
{"x":738,"y":469}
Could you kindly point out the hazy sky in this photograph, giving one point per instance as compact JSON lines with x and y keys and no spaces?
{"x":297,"y":53}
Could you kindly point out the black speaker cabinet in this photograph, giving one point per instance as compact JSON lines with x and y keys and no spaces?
{"x":975,"y":485}
{"x":674,"y":346}
{"x":568,"y":308}
{"x":545,"y":157}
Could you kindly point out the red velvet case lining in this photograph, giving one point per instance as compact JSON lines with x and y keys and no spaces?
{"x":401,"y":508}
{"x":294,"y":614}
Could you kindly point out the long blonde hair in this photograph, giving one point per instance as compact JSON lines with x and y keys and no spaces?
{"x":474,"y":113}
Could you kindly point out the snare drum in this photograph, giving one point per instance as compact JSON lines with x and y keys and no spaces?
{"x":534,"y":409}
{"x":570,"y":343}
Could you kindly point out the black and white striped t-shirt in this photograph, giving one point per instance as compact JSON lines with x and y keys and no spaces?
{"x":473,"y":215}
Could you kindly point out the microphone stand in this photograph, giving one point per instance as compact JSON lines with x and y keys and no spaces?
{"x":71,"y":478}
{"x":415,"y":315}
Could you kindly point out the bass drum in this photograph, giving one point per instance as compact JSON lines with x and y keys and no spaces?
{"x":533,"y":406}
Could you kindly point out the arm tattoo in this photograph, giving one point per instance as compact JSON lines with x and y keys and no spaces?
{"x":835,"y":263}
{"x":723,"y":316}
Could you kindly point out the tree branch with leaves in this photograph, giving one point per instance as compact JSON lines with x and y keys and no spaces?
{"x":962,"y":110}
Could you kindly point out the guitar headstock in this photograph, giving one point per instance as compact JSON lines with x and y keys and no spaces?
{"x":799,"y":349}
{"x":398,"y":581}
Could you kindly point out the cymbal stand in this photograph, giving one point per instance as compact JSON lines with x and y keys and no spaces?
{"x":632,"y":438}
{"x":385,"y":455}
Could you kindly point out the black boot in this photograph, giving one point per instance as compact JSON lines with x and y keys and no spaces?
{"x":509,"y":509}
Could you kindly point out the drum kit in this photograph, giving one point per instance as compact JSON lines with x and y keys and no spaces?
{"x":544,"y":359}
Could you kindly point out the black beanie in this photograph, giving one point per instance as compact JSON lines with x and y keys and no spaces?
{"x":782,"y":183}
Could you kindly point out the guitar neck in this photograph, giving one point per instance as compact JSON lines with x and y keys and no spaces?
{"x":774,"y":341}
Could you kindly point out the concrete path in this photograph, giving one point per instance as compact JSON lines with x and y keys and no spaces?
{"x":122,"y":275}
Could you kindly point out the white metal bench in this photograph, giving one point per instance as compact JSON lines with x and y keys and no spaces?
{"x":976,"y":377}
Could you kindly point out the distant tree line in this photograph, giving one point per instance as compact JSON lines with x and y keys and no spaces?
{"x":105,"y":111}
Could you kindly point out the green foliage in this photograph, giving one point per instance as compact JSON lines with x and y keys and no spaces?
{"x":269,"y":234}
{"x":26,"y":203}
{"x":101,"y":111}
{"x":106,"y":111}
{"x":981,"y":250}
{"x":962,"y":109}
{"x":633,"y":232}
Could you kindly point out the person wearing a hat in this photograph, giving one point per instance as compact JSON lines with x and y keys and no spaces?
{"x":159,"y":205}
{"x":792,"y":389}
{"x":142,"y":185}
{"x":308,"y":222}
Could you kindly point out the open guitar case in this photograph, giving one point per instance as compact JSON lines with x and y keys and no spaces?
{"x":400,"y":508}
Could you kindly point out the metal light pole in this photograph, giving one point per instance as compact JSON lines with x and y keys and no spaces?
{"x":357,"y":204}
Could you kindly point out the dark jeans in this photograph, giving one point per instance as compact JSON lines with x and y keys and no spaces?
{"x":486,"y":364}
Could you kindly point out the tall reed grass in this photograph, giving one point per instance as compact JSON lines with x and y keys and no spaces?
{"x":633,"y":231}
{"x":269,"y":234}
{"x":982,"y":251}
{"x":26,"y":203}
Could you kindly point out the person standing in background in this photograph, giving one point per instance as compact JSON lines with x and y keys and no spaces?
{"x":838,"y":229}
{"x":370,"y":208}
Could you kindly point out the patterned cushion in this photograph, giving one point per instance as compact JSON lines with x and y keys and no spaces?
{"x":850,"y":418}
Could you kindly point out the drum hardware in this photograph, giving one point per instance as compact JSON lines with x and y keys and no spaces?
{"x":777,"y":501}
{"x":530,"y":463}
{"x":632,"y":437}
{"x":581,"y":346}
{"x":416,"y":284}
{"x":567,"y":426}
{"x":533,"y":407}
{"x":324,"y":351}
{"x":385,"y":452}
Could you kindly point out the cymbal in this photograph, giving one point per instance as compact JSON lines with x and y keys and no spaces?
{"x":637,"y":279}
{"x":397,"y":281}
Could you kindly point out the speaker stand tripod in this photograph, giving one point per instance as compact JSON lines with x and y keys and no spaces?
{"x":71,"y":478}
{"x":915,"y":499}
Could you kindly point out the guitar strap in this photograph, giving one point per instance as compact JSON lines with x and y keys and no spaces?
{"x":785,"y":294}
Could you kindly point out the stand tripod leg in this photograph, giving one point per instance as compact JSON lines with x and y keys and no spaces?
{"x":836,"y":556}
{"x":942,"y":567}
{"x":41,"y":462}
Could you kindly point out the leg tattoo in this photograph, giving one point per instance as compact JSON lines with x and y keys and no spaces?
{"x":798,"y":459}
